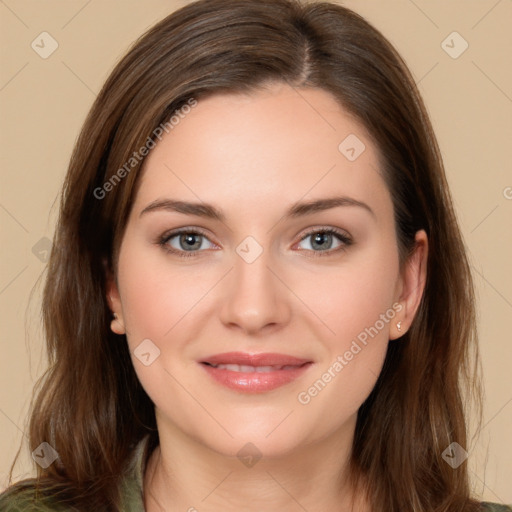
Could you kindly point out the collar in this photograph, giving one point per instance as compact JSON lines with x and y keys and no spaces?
{"x":132,"y":483}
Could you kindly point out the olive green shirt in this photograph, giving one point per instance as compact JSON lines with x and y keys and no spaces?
{"x":131,"y":492}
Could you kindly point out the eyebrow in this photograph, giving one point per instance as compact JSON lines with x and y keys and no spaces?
{"x":206,"y":210}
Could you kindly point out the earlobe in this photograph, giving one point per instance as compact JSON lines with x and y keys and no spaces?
{"x":114,"y":303}
{"x":116,"y":325}
{"x":398,"y":328}
{"x":413,"y":284}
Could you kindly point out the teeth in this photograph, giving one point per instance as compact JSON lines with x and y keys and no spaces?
{"x":247,"y":369}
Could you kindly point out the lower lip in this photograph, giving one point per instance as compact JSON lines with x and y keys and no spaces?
{"x":254,"y":382}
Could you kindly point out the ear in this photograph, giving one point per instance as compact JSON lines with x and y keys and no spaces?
{"x":411,"y":286}
{"x":114,"y":302}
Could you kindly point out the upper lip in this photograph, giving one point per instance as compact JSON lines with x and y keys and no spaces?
{"x":244,"y":358}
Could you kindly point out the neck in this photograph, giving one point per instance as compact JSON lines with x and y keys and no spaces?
{"x":184,"y":475}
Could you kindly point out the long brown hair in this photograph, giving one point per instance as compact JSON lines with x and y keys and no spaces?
{"x":90,"y":405}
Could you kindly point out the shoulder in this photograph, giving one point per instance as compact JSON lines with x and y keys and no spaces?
{"x":495,"y":507}
{"x":27,"y":498}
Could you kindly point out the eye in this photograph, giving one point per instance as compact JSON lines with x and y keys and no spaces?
{"x":322,"y":241}
{"x":188,"y":242}
{"x":184,"y":242}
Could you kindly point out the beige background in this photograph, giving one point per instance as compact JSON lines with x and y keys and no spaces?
{"x":43,"y":103}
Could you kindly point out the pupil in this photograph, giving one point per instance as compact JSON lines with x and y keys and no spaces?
{"x":321,"y":239}
{"x":188,"y":239}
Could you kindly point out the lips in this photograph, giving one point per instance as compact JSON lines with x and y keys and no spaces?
{"x":243,"y":368}
{"x":254,"y":373}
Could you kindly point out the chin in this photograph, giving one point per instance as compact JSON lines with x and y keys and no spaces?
{"x":265,"y":436}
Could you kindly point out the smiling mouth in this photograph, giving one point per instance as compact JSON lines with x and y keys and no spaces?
{"x":250,"y":369}
{"x":254,"y":373}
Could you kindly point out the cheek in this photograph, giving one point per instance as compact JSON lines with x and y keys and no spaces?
{"x":357,"y":305}
{"x":155,"y":295}
{"x":158,"y":301}
{"x":352,"y":296}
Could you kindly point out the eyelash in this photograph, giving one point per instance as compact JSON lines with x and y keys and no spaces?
{"x":344,"y":238}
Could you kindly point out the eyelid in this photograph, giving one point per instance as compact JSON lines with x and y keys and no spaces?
{"x":178,"y":231}
{"x":326,"y":229}
{"x":344,"y":237}
{"x":168,"y":235}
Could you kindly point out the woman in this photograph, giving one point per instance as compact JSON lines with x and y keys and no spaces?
{"x":258,"y":296}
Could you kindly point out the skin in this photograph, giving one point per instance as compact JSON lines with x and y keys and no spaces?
{"x":253,"y":156}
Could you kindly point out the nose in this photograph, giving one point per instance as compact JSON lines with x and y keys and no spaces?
{"x":257,"y":300}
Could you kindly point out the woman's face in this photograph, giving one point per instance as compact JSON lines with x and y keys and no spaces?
{"x":264,"y":275}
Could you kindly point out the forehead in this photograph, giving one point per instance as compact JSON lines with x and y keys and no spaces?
{"x":279,"y":144}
